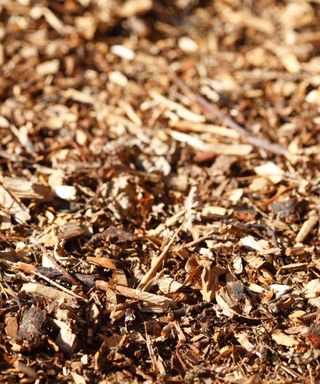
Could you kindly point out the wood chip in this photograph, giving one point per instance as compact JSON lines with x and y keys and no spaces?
{"x":159,"y":191}
{"x":13,"y":206}
{"x":306,"y":228}
{"x":49,"y":293}
{"x":137,"y":294}
{"x":283,"y":339}
{"x":55,"y":234}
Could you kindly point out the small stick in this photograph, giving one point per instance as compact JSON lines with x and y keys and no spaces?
{"x":62,"y":288}
{"x":136,"y":294}
{"x":202,"y":238}
{"x":160,"y":260}
{"x":306,"y":228}
{"x":213,"y":111}
{"x":59,"y":268}
{"x":151,"y":351}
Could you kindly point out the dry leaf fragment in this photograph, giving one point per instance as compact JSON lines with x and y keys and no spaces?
{"x":210,"y":281}
{"x":255,"y":261}
{"x":244,"y":341}
{"x":233,"y":299}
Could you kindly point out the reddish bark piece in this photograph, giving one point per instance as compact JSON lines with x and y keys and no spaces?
{"x":314,"y":334}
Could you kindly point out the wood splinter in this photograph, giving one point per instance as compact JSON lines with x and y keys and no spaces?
{"x":137,"y":294}
{"x":306,"y":228}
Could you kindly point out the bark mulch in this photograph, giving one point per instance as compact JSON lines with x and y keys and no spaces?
{"x":159,"y":191}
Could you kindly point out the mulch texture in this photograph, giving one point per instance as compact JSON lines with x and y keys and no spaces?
{"x":159,"y":191}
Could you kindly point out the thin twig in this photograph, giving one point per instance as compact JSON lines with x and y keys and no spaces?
{"x":137,"y":294}
{"x":202,"y":238}
{"x":160,"y":260}
{"x":60,"y":286}
{"x":59,"y":268}
{"x":214,"y":112}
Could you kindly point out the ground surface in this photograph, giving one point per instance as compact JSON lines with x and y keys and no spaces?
{"x":159,"y":192}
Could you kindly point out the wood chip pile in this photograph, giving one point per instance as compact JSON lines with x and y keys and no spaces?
{"x":159,"y":191}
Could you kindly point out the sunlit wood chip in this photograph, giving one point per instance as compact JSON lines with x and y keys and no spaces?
{"x":13,"y":206}
{"x":118,"y":78}
{"x":86,"y":25}
{"x":48,"y":67}
{"x":134,"y":7}
{"x":168,"y":285}
{"x":78,"y":379}
{"x":212,"y":211}
{"x":271,"y":171}
{"x":283,"y":339}
{"x":258,"y":245}
{"x":66,"y":339}
{"x":235,"y":195}
{"x":49,"y":293}
{"x":186,"y":44}
{"x":123,"y":52}
{"x":79,"y":96}
{"x":66,"y":192}
{"x":312,"y":289}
